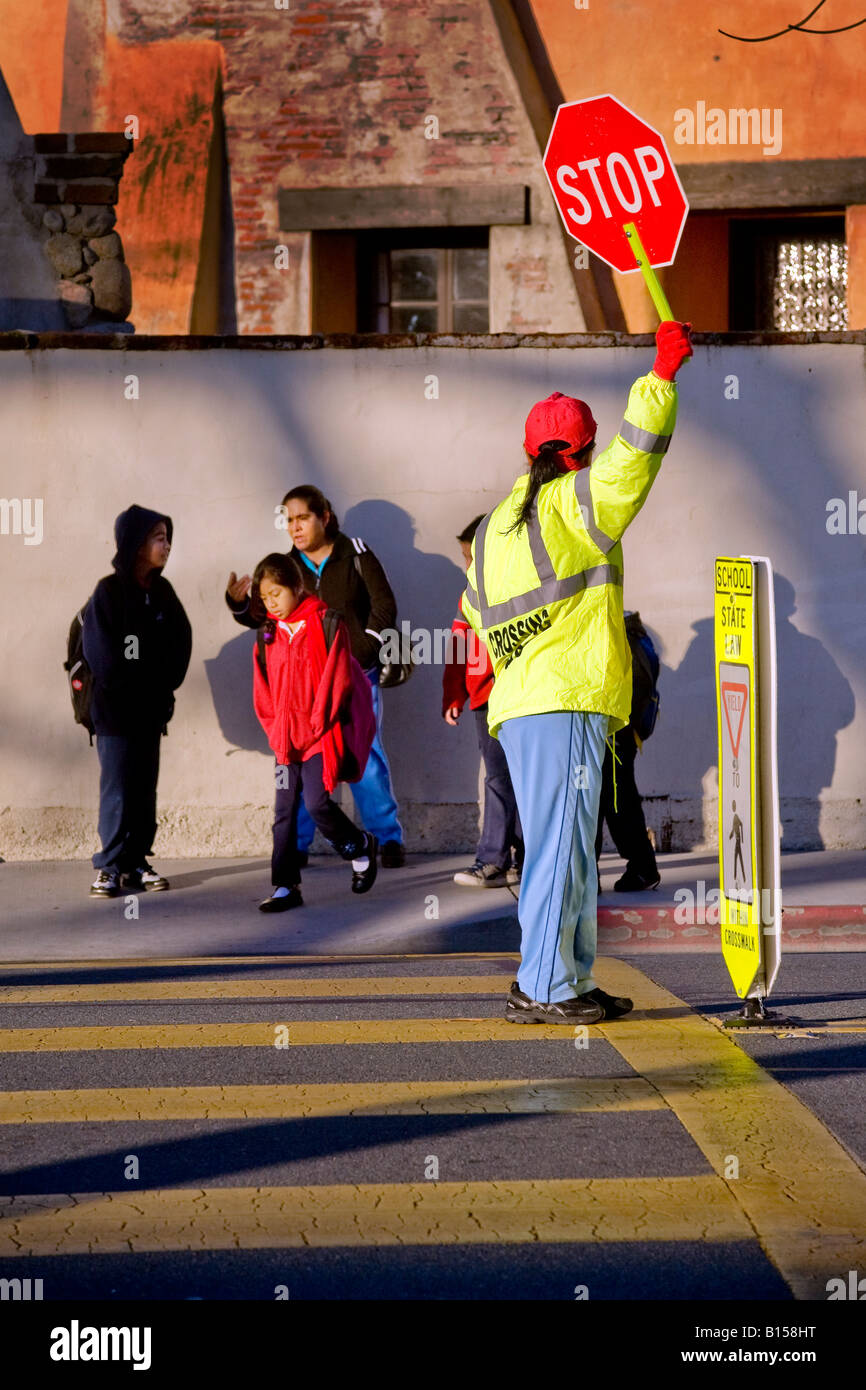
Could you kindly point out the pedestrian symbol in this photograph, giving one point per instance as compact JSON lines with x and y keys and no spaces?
{"x":737,"y":835}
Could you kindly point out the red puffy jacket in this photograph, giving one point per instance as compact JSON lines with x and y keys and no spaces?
{"x":305,"y":710}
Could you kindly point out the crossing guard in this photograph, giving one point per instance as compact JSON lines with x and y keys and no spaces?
{"x":544,"y":591}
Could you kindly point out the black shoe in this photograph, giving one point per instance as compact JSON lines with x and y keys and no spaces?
{"x":303,"y":858}
{"x":614,"y":1005}
{"x":363,"y":879}
{"x":283,"y":904}
{"x":105,"y":885}
{"x":393,"y":855}
{"x":521,"y":1009}
{"x":632,"y":882}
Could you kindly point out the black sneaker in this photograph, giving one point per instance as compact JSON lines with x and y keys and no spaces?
{"x":614,"y":1005}
{"x":284,"y":903}
{"x":363,"y":879}
{"x":105,"y":885}
{"x":147,"y":879}
{"x":521,"y":1009}
{"x":632,"y":882}
{"x":393,"y":855}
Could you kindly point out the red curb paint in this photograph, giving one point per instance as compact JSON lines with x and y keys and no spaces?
{"x":637,"y":930}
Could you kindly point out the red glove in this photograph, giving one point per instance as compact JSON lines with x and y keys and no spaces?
{"x":673,"y":346}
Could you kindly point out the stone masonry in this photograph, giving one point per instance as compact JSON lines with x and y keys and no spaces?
{"x":76,"y":188}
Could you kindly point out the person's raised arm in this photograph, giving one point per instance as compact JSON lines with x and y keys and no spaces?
{"x":611,"y":492}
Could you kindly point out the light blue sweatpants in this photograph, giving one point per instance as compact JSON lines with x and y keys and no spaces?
{"x":555,"y":761}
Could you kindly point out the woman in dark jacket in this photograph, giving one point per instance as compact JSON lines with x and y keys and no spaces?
{"x":346,"y":576}
{"x":137,"y":642}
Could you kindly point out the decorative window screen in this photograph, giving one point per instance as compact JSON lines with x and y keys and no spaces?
{"x":788,"y":275}
{"x":810,"y":285}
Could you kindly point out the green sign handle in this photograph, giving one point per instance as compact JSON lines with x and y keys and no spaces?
{"x":649,"y":275}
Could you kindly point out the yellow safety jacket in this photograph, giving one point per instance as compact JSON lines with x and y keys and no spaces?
{"x":547,"y":599}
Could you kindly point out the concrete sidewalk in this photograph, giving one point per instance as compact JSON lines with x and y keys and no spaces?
{"x":211,"y":910}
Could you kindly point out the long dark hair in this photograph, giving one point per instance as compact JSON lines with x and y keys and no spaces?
{"x":547,"y":465}
{"x":283,"y":570}
{"x":318,"y":504}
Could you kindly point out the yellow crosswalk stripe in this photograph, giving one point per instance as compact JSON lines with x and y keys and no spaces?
{"x":168,"y":962}
{"x":330,"y":1031}
{"x":434,"y":1213}
{"x":439,"y":986}
{"x":564,"y":1095}
{"x":803,"y":1194}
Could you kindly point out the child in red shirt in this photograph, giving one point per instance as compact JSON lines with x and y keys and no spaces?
{"x":314,"y":703}
{"x":469,"y":674}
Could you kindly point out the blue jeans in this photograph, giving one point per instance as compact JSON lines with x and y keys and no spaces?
{"x":128,"y":772}
{"x":555,"y":761}
{"x":500,"y":829}
{"x":374,"y":795}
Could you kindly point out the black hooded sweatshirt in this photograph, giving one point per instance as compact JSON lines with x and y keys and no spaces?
{"x":135,"y":681}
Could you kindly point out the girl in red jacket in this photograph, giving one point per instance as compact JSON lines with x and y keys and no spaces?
{"x":314,"y":703}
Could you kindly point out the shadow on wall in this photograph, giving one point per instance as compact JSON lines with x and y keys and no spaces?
{"x":426,"y":587}
{"x":230,"y":675}
{"x":686,"y":735}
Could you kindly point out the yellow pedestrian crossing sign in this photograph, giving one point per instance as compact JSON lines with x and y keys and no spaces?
{"x":745,"y":650}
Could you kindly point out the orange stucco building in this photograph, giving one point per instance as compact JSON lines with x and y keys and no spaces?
{"x":291,"y":165}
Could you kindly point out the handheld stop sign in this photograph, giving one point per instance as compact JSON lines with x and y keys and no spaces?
{"x":616,"y":188}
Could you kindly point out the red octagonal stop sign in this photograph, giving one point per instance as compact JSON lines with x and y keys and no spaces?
{"x":607,"y":167}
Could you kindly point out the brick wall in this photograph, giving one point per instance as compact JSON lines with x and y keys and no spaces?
{"x":334,"y":93}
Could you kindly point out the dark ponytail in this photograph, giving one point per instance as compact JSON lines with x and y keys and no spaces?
{"x":548,"y":464}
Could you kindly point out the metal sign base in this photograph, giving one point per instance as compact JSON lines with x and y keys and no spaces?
{"x":754,"y":1015}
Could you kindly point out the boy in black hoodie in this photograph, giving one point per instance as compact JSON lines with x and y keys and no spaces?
{"x":137,"y":643}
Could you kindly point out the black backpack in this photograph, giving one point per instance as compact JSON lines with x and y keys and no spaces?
{"x":265,"y":635}
{"x":645,"y":674}
{"x":80,"y":674}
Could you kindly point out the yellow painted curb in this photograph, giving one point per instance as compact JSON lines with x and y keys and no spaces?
{"x":802,"y":1192}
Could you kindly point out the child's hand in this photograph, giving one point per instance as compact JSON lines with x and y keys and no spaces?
{"x":452,"y":714}
{"x":238,"y":589}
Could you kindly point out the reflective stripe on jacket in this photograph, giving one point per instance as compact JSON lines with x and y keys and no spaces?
{"x":547,"y":599}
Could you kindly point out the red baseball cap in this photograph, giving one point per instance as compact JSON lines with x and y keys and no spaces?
{"x":559,"y":417}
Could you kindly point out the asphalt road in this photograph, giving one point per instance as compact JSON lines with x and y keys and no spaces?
{"x":398,"y":1140}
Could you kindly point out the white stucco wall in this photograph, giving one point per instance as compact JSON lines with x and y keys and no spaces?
{"x":218,"y":435}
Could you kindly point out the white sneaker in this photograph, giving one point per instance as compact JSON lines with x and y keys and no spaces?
{"x":105,"y":885}
{"x":481,"y":876}
{"x":147,"y":878}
